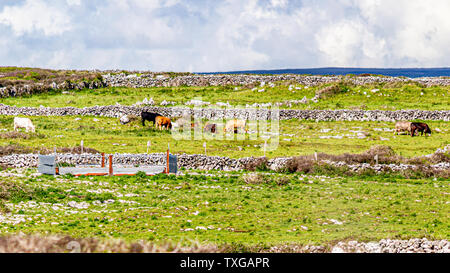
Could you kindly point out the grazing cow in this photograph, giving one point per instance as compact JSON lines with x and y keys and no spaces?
{"x":184,"y":122}
{"x":234,"y":124}
{"x":23,"y":123}
{"x":210,"y":128}
{"x":149,"y":116}
{"x":195,"y":124}
{"x":161,"y":121}
{"x":420,"y":127}
{"x":402,"y":126}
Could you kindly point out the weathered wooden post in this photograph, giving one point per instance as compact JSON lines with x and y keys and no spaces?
{"x":56,"y":166}
{"x":167,"y":161}
{"x":148,"y":146}
{"x":204,"y":146}
{"x":376,"y":159}
{"x":316,"y":157}
{"x":81,"y":146}
{"x":110,"y":165}
{"x":103,"y":160}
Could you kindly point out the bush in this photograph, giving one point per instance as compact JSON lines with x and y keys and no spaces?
{"x":258,"y":164}
{"x":425,"y":172}
{"x":440,"y":157}
{"x":300,"y":164}
{"x":334,"y":89}
{"x":59,"y":244}
{"x":255,"y":178}
{"x":282,"y":180}
{"x":14,"y":134}
{"x":14,"y":149}
{"x":13,"y":192}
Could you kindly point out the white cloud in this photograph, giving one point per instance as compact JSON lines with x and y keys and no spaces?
{"x":73,"y":2}
{"x":350,"y":43}
{"x":224,"y":35}
{"x":35,"y":15}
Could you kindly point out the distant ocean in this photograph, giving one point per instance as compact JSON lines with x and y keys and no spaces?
{"x":393,"y":72}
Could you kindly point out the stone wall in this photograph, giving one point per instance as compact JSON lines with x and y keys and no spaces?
{"x":218,"y":114}
{"x":190,"y":161}
{"x":150,"y":80}
{"x":27,"y":90}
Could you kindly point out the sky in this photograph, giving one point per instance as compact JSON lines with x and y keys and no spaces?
{"x":224,"y":35}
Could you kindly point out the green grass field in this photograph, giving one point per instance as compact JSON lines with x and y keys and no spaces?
{"x":218,"y":207}
{"x":222,"y":209}
{"x":295,"y":138}
{"x":388,"y":98}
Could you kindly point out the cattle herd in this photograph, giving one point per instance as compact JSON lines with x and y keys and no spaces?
{"x":159,"y":121}
{"x":235,"y":124}
{"x":412,"y":128}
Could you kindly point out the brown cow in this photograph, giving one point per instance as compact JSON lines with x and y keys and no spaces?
{"x":402,"y":126}
{"x":420,"y":127}
{"x":210,"y":128}
{"x":161,"y":121}
{"x":234,"y":124}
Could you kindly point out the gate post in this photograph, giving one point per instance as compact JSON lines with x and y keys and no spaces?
{"x":103,"y":160}
{"x":167,"y":162}
{"x":110,"y":165}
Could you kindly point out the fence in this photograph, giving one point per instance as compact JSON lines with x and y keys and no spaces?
{"x":48,"y":165}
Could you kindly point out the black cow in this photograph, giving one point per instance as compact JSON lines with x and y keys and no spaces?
{"x":148,"y":116}
{"x":420,"y":127}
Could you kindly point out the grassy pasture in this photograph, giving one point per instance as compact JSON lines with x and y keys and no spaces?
{"x":407,"y":96}
{"x":222,"y":209}
{"x":295,"y":137}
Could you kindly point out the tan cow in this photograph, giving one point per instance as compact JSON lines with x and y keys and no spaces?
{"x":234,"y":124}
{"x":161,"y":121}
{"x":402,"y":126}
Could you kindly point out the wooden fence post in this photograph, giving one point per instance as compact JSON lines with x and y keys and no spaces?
{"x":167,"y":162}
{"x":103,"y":160}
{"x":110,"y":165}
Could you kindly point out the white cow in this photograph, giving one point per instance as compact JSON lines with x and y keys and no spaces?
{"x":23,"y":123}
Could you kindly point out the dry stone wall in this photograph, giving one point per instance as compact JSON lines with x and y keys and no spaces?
{"x":27,"y":90}
{"x":150,"y":80}
{"x":191,"y":161}
{"x":219,"y":114}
